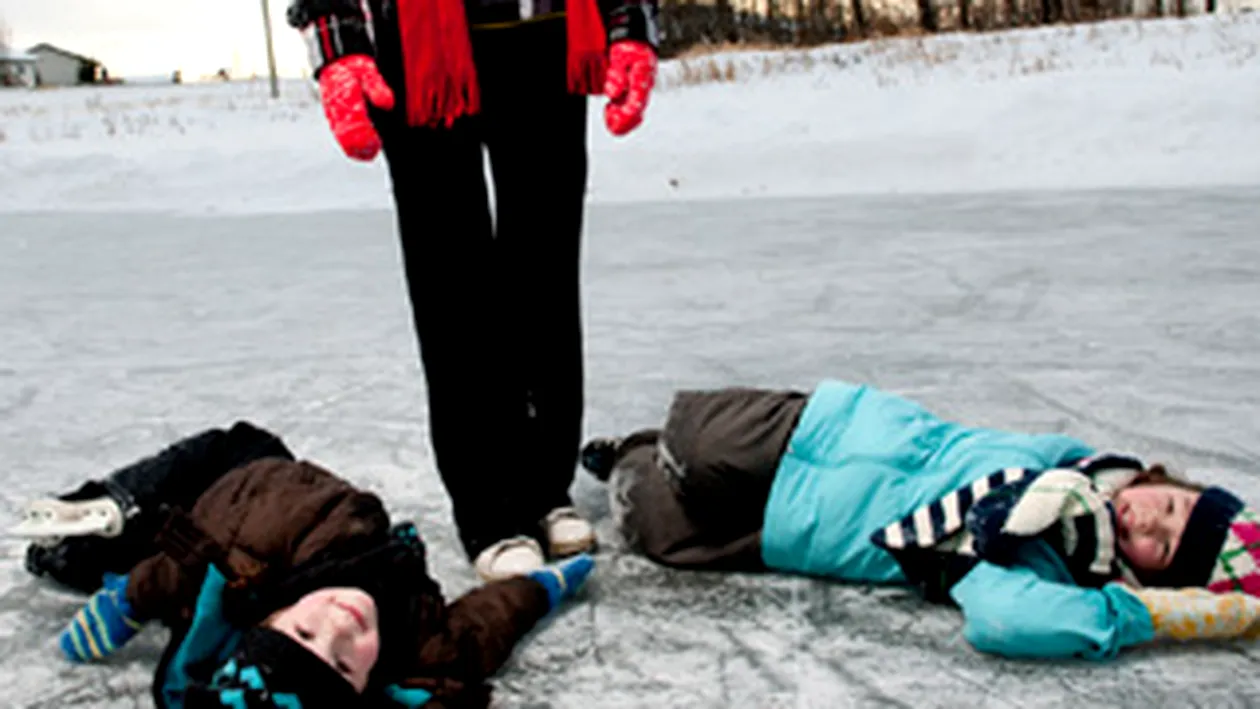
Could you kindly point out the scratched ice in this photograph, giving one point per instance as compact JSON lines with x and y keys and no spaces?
{"x":1127,"y":318}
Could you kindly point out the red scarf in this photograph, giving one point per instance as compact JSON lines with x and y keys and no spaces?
{"x":441,"y":80}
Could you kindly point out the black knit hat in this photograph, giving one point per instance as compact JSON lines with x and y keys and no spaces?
{"x":371,"y":565}
{"x":1201,"y":542}
{"x":270,"y":669}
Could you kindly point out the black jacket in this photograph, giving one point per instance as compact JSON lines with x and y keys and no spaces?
{"x":337,"y":28}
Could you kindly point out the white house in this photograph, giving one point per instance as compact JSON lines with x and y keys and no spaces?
{"x":57,"y":67}
{"x":16,"y":68}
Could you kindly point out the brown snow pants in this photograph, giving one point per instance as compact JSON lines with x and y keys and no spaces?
{"x":693,"y":494}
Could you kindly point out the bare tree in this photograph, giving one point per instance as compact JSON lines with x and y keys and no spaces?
{"x":8,"y":75}
{"x":927,"y":16}
{"x":822,"y":28}
{"x":724,"y":22}
{"x":798,"y":28}
{"x":860,"y":26}
{"x":1051,"y":11}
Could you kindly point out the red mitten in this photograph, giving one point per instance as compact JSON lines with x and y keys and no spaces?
{"x":630,"y":78}
{"x":343,"y":85}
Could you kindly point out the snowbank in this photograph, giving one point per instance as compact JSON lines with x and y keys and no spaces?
{"x":1132,"y":103}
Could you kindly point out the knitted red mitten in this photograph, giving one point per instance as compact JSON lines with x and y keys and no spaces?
{"x":345,"y":87}
{"x":631,"y":76}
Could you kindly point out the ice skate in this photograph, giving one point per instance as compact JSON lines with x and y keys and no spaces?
{"x":47,"y":521}
{"x":110,"y":523}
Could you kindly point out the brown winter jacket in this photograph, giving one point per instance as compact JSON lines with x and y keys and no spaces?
{"x":268,"y":517}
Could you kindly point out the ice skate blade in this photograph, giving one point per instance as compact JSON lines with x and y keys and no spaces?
{"x":54,"y":519}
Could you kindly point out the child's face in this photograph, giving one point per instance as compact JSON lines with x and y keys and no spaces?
{"x":1149,"y":522}
{"x":339,"y":625}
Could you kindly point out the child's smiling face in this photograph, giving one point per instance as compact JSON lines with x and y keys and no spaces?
{"x":339,"y":625}
{"x":1150,"y":520}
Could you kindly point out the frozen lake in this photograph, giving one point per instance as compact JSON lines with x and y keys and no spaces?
{"x":1131,"y":319}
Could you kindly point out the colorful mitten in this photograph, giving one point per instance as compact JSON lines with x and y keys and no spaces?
{"x":1199,"y":614}
{"x":563,"y":580}
{"x":628,"y":83}
{"x":345,"y":86}
{"x":102,"y":626}
{"x":1060,"y":503}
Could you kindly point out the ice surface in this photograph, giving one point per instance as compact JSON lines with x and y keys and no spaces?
{"x":1123,"y":104}
{"x":1126,"y":318}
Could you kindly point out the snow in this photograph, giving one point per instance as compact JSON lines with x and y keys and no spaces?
{"x":1123,"y":104}
{"x":215,"y":258}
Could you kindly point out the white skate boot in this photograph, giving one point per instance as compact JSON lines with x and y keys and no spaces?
{"x":47,"y":521}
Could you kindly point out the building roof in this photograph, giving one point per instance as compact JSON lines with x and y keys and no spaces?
{"x":46,"y":48}
{"x":14,"y":56}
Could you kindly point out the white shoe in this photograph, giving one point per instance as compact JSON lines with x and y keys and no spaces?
{"x":568,"y":533}
{"x":508,"y":558}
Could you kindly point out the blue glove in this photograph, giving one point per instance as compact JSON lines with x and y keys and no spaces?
{"x":563,"y":580}
{"x":103,"y":625}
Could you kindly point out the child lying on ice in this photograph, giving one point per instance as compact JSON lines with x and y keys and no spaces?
{"x":283,"y":586}
{"x":1049,"y":548}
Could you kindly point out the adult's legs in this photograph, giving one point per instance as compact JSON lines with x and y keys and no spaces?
{"x":495,"y":305}
{"x":445,"y":232}
{"x":536,"y":135}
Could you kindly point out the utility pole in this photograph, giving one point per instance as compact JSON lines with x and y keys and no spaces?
{"x":271,"y":52}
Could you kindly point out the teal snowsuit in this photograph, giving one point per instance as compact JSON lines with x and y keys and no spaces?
{"x":860,"y":458}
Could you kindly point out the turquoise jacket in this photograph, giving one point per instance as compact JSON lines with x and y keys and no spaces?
{"x":861,"y":458}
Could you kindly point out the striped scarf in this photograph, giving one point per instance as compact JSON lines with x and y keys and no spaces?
{"x":1069,"y":507}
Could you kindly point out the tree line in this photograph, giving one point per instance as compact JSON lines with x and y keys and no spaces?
{"x":687,"y":24}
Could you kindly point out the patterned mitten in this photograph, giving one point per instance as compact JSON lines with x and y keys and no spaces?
{"x":1199,"y":614}
{"x":563,"y":580}
{"x":628,"y":84}
{"x":103,"y":625}
{"x":345,"y":86}
{"x":1061,"y":504}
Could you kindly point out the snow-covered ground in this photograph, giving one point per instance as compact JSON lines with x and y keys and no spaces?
{"x":1124,"y":316}
{"x":1131,"y":103}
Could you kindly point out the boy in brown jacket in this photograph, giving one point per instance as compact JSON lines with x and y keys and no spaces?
{"x":283,"y":585}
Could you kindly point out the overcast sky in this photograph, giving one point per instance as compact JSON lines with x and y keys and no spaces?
{"x":156,"y":37}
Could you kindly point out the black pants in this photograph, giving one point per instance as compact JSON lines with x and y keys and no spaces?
{"x":496,"y":301}
{"x":172,"y":478}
